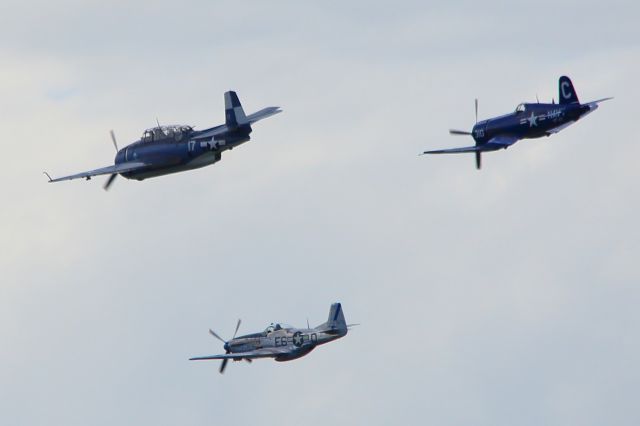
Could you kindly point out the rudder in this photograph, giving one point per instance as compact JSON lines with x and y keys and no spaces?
{"x":336,"y":319}
{"x":234,"y":114}
{"x":567,"y":94}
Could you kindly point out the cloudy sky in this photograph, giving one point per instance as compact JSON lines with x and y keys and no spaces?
{"x":506,"y":296}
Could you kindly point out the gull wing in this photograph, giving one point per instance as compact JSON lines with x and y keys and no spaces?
{"x":109,"y":170}
{"x":258,"y":353}
{"x":560,"y":127}
{"x":493,"y":144}
{"x":455,"y":150}
{"x":500,"y":142}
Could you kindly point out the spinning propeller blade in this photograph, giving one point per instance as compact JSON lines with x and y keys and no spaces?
{"x":478,"y":160}
{"x":223,"y":365}
{"x":113,"y":139}
{"x":237,"y":327}
{"x":463,"y":132}
{"x":213,"y":333}
{"x":476,"y":110}
{"x":459,"y":132}
{"x":113,"y":176}
{"x":109,"y":181}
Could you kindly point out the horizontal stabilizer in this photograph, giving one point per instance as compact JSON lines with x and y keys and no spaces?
{"x":247,"y":120}
{"x":593,"y":105}
{"x":262,"y":114}
{"x":600,"y":100}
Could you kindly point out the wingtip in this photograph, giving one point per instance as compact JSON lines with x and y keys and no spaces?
{"x":47,"y":175}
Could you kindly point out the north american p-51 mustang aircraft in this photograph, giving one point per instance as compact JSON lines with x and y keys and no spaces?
{"x":529,"y":120}
{"x":169,"y":149}
{"x":280,"y":341}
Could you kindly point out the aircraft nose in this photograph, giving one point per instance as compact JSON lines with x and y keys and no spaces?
{"x":226,"y":346}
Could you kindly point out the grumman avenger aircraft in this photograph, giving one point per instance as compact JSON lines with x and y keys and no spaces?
{"x":529,"y":120}
{"x":170,"y":149}
{"x":280,"y":341}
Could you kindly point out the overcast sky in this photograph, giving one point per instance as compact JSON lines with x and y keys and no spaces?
{"x":500,"y":297}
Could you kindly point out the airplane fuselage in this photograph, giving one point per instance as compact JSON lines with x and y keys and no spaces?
{"x":178,"y":152}
{"x":296,"y":342}
{"x":531,"y":120}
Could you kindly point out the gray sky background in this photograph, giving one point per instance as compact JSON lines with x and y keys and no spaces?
{"x":506,"y":296}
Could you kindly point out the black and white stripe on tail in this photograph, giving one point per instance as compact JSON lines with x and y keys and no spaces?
{"x":234,"y":113}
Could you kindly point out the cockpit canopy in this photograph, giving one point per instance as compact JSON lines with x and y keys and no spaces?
{"x":521,"y":108}
{"x":159,"y":133}
{"x":275,"y":327}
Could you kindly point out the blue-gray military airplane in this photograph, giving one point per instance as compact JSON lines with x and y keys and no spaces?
{"x":169,"y":149}
{"x":529,"y":120}
{"x":280,"y":341}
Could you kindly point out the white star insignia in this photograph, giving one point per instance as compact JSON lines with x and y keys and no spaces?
{"x":533,"y":120}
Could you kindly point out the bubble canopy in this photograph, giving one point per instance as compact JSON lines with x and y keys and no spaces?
{"x":276,"y":326}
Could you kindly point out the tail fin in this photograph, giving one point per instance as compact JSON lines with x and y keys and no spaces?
{"x":234,"y":113}
{"x":567,"y":93}
{"x":336,"y":322}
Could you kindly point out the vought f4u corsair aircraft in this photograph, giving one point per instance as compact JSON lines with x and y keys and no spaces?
{"x":529,"y":120}
{"x":281,"y":342}
{"x":170,"y":149}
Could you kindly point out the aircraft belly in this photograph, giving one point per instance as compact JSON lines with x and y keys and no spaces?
{"x":294,"y":355}
{"x":203,"y":160}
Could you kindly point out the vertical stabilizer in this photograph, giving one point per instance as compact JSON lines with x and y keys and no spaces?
{"x":567,"y":94}
{"x":336,"y":321}
{"x":234,"y":114}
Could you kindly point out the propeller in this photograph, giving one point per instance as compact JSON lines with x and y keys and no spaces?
{"x":223,"y":365}
{"x":465,"y":133}
{"x":459,"y":132}
{"x":113,"y":139}
{"x":109,"y":181}
{"x":476,"y":110}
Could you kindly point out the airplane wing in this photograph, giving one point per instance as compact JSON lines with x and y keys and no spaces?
{"x":499,"y":142}
{"x":115,"y":169}
{"x":455,"y":150}
{"x":561,"y":127}
{"x":493,"y":144}
{"x":258,"y":353}
{"x":262,"y":114}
